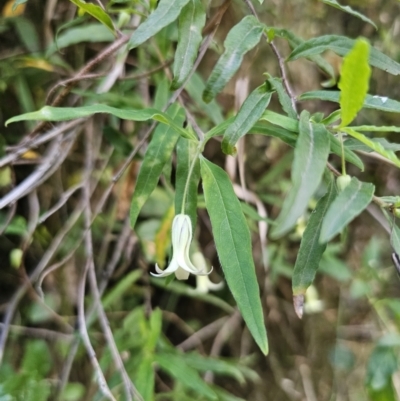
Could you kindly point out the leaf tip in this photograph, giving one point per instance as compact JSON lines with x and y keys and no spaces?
{"x":227,"y":148}
{"x":207,"y":96}
{"x":264,"y":348}
{"x":298,"y":303}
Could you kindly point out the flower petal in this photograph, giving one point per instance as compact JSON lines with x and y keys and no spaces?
{"x":173,"y":266}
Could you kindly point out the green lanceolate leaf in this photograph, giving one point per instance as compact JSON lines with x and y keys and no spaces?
{"x":395,"y":238}
{"x":292,"y":125}
{"x":240,"y":39}
{"x":295,"y":41}
{"x":186,"y":152}
{"x":48,"y":113}
{"x":354,"y":81}
{"x":218,"y":129}
{"x":349,"y":155}
{"x":375,"y":128}
{"x":248,"y":115}
{"x":310,"y":157}
{"x":268,"y":129}
{"x":284,"y":98}
{"x":349,"y":10}
{"x":175,"y":366}
{"x":288,"y":123}
{"x":191,"y":23}
{"x":166,"y":12}
{"x":347,"y":205}
{"x":370,"y":102}
{"x":158,"y":153}
{"x":342,"y":45}
{"x":376,"y":146}
{"x":233,"y":243}
{"x":311,"y":250}
{"x":212,"y":110}
{"x":96,"y":12}
{"x":87,"y":33}
{"x":355,"y":144}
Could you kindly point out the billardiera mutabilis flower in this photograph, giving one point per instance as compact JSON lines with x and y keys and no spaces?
{"x":180,"y":263}
{"x":203,"y":283}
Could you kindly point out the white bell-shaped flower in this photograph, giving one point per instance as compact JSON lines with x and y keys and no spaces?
{"x":180,"y":263}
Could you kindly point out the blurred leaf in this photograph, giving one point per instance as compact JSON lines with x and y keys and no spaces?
{"x":183,"y":289}
{"x":212,"y":110}
{"x":342,"y":358}
{"x":252,"y":213}
{"x":157,"y":154}
{"x":118,"y":140}
{"x":25,"y":98}
{"x":73,"y":392}
{"x":295,"y":41}
{"x":310,"y":157}
{"x":288,"y":123}
{"x":37,"y":359}
{"x":34,"y":62}
{"x":374,"y":128}
{"x":96,"y":12}
{"x":248,"y":115}
{"x":176,"y":366}
{"x":27,"y":34}
{"x":355,"y":144}
{"x":240,"y":39}
{"x":191,"y":23}
{"x":360,"y":288}
{"x":121,"y":288}
{"x":157,"y":204}
{"x":394,"y":234}
{"x":349,"y":10}
{"x":187,"y":152}
{"x":233,"y":243}
{"x":331,"y":118}
{"x":311,"y":250}
{"x":371,"y":102}
{"x":385,"y":394}
{"x":349,"y":156}
{"x":376,"y":146}
{"x":5,"y":176}
{"x":381,"y":365}
{"x":354,"y":81}
{"x":390,"y":339}
{"x":218,"y":366}
{"x":283,"y":96}
{"x":16,"y":4}
{"x":286,"y":136}
{"x":347,"y":205}
{"x":167,"y":11}
{"x":334,"y":267}
{"x":18,"y":226}
{"x":218,"y":129}
{"x":342,"y":45}
{"x":225,"y":396}
{"x":145,"y":378}
{"x":48,"y":113}
{"x":162,"y":93}
{"x":155,"y":326}
{"x":88,"y":33}
{"x":292,"y":125}
{"x":163,"y":237}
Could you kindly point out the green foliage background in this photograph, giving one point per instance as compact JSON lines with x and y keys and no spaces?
{"x":266,"y":235}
